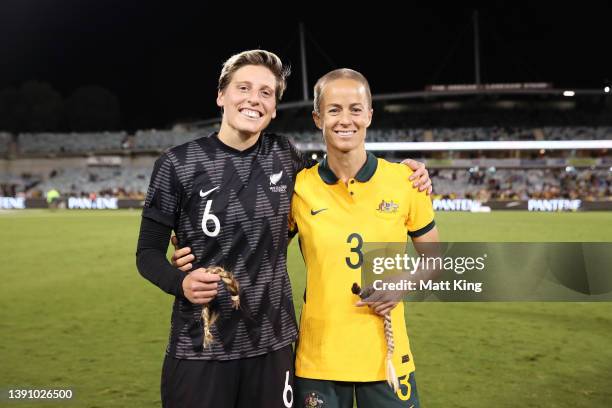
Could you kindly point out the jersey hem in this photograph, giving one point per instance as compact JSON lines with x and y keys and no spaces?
{"x":254,"y":353}
{"x":335,"y":376}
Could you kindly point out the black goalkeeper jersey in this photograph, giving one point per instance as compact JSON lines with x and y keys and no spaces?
{"x":231,"y":207}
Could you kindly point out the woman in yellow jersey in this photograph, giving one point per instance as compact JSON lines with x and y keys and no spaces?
{"x":350,"y":198}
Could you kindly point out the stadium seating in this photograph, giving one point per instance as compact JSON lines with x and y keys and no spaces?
{"x":99,"y":180}
{"x":469,"y":134}
{"x":474,"y":183}
{"x":156,"y":141}
{"x":515,"y":184}
{"x":577,"y":133}
{"x":58,"y":143}
{"x":507,"y":182}
{"x":5,"y":140}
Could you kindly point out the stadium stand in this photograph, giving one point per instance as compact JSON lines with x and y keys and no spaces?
{"x":60,"y":143}
{"x":577,"y":133}
{"x":158,"y":140}
{"x":100,"y":180}
{"x":11,"y":184}
{"x":514,"y":184}
{"x":469,"y":134}
{"x":529,"y":175}
{"x":475,"y":183}
{"x":152,"y":140}
{"x":5,"y":140}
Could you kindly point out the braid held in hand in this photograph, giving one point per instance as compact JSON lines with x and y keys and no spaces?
{"x":208,"y":316}
{"x":388,"y":327}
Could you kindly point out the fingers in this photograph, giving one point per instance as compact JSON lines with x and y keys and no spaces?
{"x":413,"y":164}
{"x":426,"y":186}
{"x":376,"y":296}
{"x":423,"y":182}
{"x":200,"y":287}
{"x":180,"y":252}
{"x":380,"y":308}
{"x":201,"y":275}
{"x":196,"y":286}
{"x":419,"y":176}
{"x":181,"y":257}
{"x":203,"y":297}
{"x":183,"y":261}
{"x":186,"y":267}
{"x":201,"y":280}
{"x":383,"y":308}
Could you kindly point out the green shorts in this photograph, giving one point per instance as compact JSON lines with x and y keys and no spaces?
{"x":340,"y":394}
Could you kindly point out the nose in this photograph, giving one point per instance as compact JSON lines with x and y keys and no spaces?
{"x":253,"y":98}
{"x":345,"y":118}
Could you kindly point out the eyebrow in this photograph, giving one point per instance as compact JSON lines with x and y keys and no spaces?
{"x":250,"y":83}
{"x":338,"y":105}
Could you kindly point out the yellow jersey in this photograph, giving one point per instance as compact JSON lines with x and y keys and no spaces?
{"x":337,"y":340}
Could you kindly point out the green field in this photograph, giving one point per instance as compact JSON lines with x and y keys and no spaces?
{"x":75,"y":313}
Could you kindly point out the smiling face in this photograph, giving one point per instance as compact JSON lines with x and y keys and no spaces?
{"x":249,"y":100}
{"x":344,"y":115}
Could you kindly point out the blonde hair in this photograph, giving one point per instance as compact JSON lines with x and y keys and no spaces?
{"x":255,"y":57}
{"x":342,"y":73}
{"x":209,"y":317}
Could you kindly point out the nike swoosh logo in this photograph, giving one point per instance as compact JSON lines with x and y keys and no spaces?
{"x":313,"y":212}
{"x":204,"y":194}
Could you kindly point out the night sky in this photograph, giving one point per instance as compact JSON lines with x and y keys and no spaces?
{"x":163,"y":62}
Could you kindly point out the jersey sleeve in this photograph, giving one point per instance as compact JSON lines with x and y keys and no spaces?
{"x":420,"y":219}
{"x":292,"y":225}
{"x":162,"y":201}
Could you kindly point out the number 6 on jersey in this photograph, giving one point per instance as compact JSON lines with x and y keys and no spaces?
{"x":212,"y":217}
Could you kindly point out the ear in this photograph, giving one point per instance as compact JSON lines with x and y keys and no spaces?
{"x":317,"y":120}
{"x":370,"y":113}
{"x":274,"y":114}
{"x":220,"y":99}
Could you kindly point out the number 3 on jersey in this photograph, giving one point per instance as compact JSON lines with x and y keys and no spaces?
{"x":208,"y":216}
{"x":356,"y":240}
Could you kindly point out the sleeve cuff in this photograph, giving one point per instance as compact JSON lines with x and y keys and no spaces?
{"x":156,"y":215}
{"x":422,"y":231}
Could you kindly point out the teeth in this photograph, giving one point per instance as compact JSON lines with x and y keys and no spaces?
{"x":250,"y":113}
{"x":345,"y":133}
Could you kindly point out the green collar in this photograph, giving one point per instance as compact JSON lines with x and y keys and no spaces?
{"x":364,"y":174}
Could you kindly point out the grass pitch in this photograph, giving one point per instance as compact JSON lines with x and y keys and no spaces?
{"x":75,"y":313}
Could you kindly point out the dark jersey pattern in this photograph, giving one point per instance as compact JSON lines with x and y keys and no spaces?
{"x":231,"y":208}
